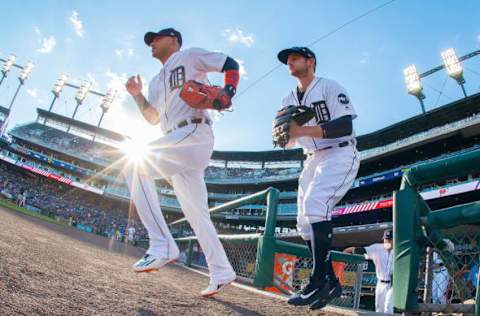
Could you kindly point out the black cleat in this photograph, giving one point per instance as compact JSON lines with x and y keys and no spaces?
{"x":334,"y":292}
{"x":311,"y":293}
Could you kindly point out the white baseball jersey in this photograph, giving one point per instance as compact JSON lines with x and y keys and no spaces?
{"x":330,"y":101}
{"x":131,"y":233}
{"x":181,"y":66}
{"x":383,"y":260}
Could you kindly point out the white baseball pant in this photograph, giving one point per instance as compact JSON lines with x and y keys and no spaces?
{"x":326,"y":177}
{"x":181,"y":157}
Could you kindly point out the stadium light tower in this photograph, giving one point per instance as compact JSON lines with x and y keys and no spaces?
{"x":80,"y":96}
{"x":454,"y":67}
{"x":7,"y":66}
{"x":414,"y":85}
{"x":57,"y":88}
{"x":105,"y":105}
{"x":27,"y":69}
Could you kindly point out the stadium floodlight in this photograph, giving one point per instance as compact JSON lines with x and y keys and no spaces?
{"x":57,"y":88}
{"x":83,"y":91}
{"x":7,"y":66}
{"x":59,"y":84}
{"x":26,"y":71}
{"x":105,"y":105}
{"x":80,"y":96}
{"x":107,"y":100}
{"x":454,"y":67}
{"x":414,"y":85}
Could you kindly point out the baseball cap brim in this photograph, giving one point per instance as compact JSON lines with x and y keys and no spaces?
{"x":283,"y":55}
{"x":304,"y":51}
{"x":149,"y":37}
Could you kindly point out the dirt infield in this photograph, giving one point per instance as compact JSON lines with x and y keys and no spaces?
{"x":48,"y":269}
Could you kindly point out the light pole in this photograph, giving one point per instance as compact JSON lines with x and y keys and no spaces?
{"x":414,"y":85}
{"x":454,"y":67}
{"x":105,"y":105}
{"x":57,"y":88}
{"x":27,"y":69}
{"x":80,"y":96}
{"x":7,"y":66}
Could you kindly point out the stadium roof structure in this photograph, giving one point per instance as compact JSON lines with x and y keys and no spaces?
{"x":442,"y":115}
{"x":82,"y":126}
{"x":3,"y":110}
{"x":445,"y":114}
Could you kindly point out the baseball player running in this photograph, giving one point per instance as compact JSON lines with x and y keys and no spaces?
{"x":330,"y":168}
{"x":183,"y":153}
{"x":382,"y":257}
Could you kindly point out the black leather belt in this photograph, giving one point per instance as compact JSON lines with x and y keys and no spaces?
{"x":184,"y":123}
{"x":385,"y":281}
{"x":342,"y":144}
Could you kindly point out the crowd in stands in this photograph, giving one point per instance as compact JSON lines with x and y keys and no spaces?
{"x":103,"y":216}
{"x":66,"y":142}
{"x":258,"y":173}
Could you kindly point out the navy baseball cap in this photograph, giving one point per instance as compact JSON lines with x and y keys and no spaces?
{"x":150,"y":36}
{"x":388,"y":234}
{"x":304,"y":51}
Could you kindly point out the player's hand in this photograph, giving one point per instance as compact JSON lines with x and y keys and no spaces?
{"x":134,"y":85}
{"x":295,"y":130}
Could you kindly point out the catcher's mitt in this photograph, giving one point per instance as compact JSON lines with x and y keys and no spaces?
{"x":201,"y":96}
{"x":281,"y":123}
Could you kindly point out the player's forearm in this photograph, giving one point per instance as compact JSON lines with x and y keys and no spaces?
{"x":148,"y":112}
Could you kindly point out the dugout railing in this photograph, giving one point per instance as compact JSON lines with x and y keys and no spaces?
{"x":436,"y":252}
{"x":266,"y":262}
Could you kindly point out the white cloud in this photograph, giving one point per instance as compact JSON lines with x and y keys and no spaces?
{"x":364,"y":58}
{"x":37,"y":30}
{"x":242,"y":70}
{"x":33,"y":92}
{"x":91,"y":78}
{"x":77,"y":24}
{"x":124,"y":52}
{"x":117,"y":82}
{"x":237,"y":36}
{"x":48,"y":44}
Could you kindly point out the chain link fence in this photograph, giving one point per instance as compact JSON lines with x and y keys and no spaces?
{"x":449,"y":270}
{"x":241,"y":251}
{"x":349,"y":275}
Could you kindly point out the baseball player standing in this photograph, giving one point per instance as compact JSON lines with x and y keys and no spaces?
{"x":382,"y":257}
{"x":181,"y":155}
{"x":331,"y":166}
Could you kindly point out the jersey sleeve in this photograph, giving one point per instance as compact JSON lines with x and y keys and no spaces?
{"x":207,"y":61}
{"x":338,"y":101}
{"x":372,"y":252}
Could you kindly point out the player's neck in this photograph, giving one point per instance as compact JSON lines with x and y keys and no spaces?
{"x":304,"y":81}
{"x":165,"y":58}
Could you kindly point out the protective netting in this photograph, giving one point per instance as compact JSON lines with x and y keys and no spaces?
{"x":449,"y":270}
{"x":349,"y":275}
{"x":241,"y":252}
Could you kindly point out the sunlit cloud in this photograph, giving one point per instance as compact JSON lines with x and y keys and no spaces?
{"x":48,"y":44}
{"x":242,"y":70}
{"x":238,"y":36}
{"x":77,"y":24}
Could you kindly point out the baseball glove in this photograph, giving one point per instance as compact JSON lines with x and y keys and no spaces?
{"x":281,"y":123}
{"x":201,"y":96}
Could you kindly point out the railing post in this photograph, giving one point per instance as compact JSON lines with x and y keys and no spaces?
{"x":266,"y":244}
{"x":358,"y":286}
{"x":188,"y":262}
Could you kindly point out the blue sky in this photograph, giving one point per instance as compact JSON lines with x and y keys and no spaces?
{"x":103,"y":41}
